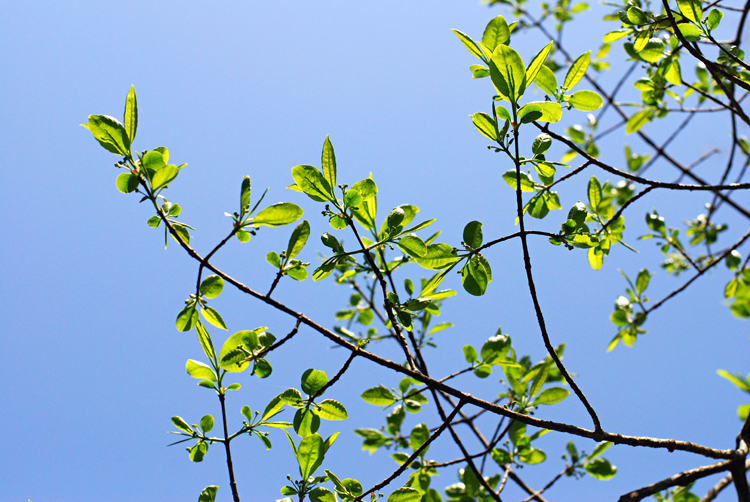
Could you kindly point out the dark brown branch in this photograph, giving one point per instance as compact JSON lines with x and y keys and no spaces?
{"x":669,"y":444}
{"x":535,"y":299}
{"x":723,"y":483}
{"x":682,"y":479}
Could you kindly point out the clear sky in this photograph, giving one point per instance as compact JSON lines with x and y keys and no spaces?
{"x":93,"y":367}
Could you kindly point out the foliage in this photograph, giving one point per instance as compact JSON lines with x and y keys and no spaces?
{"x":663,"y":43}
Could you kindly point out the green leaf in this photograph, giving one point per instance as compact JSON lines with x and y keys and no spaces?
{"x":552,"y":395}
{"x":485,"y":125}
{"x":272,"y":408}
{"x":329,"y":163}
{"x":527,"y":184}
{"x":262,"y":368}
{"x":595,"y":256}
{"x":154,"y":221}
{"x":652,"y":51}
{"x":541,"y":144}
{"x":473,"y":234}
{"x":332,"y":410}
{"x":323,"y":271}
{"x":231,"y":344}
{"x":110,"y":133}
{"x":245,"y":195}
{"x":496,"y":33}
{"x":536,"y":64}
{"x":208,"y":494}
{"x":164,"y":176}
{"x":539,"y":379}
{"x":182,"y":425}
{"x":585,"y":100}
{"x":474,"y":277}
{"x":212,"y":286}
{"x":600,"y":468}
{"x":412,"y":245}
{"x":690,"y":32}
{"x":470,"y":45}
{"x":508,"y":73}
{"x":546,"y":81}
{"x":320,"y":494}
{"x":131,"y":114}
{"x":199,"y":370}
{"x":306,"y":422}
{"x":313,"y":380}
{"x":470,"y":354}
{"x":577,"y":70}
{"x":714,"y":18}
{"x":600,"y":448}
{"x":550,"y":111}
{"x":205,"y":340}
{"x":273,"y":258}
{"x":155,"y":159}
{"x":207,"y":423}
{"x":276,"y":215}
{"x":312,"y":183}
{"x":187,"y":318}
{"x":379,"y":396}
{"x":691,"y":9}
{"x":404,"y":494}
{"x":419,"y":435}
{"x":198,"y":451}
{"x":613,"y":36}
{"x":501,"y":457}
{"x":310,"y":455}
{"x":438,"y":256}
{"x":127,"y":182}
{"x":637,"y":16}
{"x":532,"y":456}
{"x":641,"y":282}
{"x":736,"y":380}
{"x":594,"y":193}
{"x":638,"y":120}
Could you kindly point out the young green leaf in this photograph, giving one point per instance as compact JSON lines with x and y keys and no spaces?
{"x":413,"y":246}
{"x":245,"y":195}
{"x":130,"y":118}
{"x":312,"y":183}
{"x":419,"y":436}
{"x":474,"y":277}
{"x":187,"y":318}
{"x":536,"y":64}
{"x":527,"y":184}
{"x":213,"y":317}
{"x":691,"y":9}
{"x":212,"y":286}
{"x":638,"y":120}
{"x":405,"y":494}
{"x":577,"y":70}
{"x":496,"y":33}
{"x":208,"y":494}
{"x":205,"y":340}
{"x":541,"y":144}
{"x":313,"y":380}
{"x":207,"y":423}
{"x":199,"y":370}
{"x":485,"y":125}
{"x":508,"y":73}
{"x":585,"y":101}
{"x":332,"y":410}
{"x":438,"y":256}
{"x":600,"y":468}
{"x":110,"y":133}
{"x":473,"y":234}
{"x":470,"y":44}
{"x":552,"y":395}
{"x":127,"y":182}
{"x":329,"y":163}
{"x":181,"y":425}
{"x":310,"y":455}
{"x":546,"y":81}
{"x":276,"y":215}
{"x":164,"y":176}
{"x":379,"y":396}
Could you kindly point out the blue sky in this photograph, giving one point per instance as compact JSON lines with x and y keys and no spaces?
{"x":94,"y":367}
